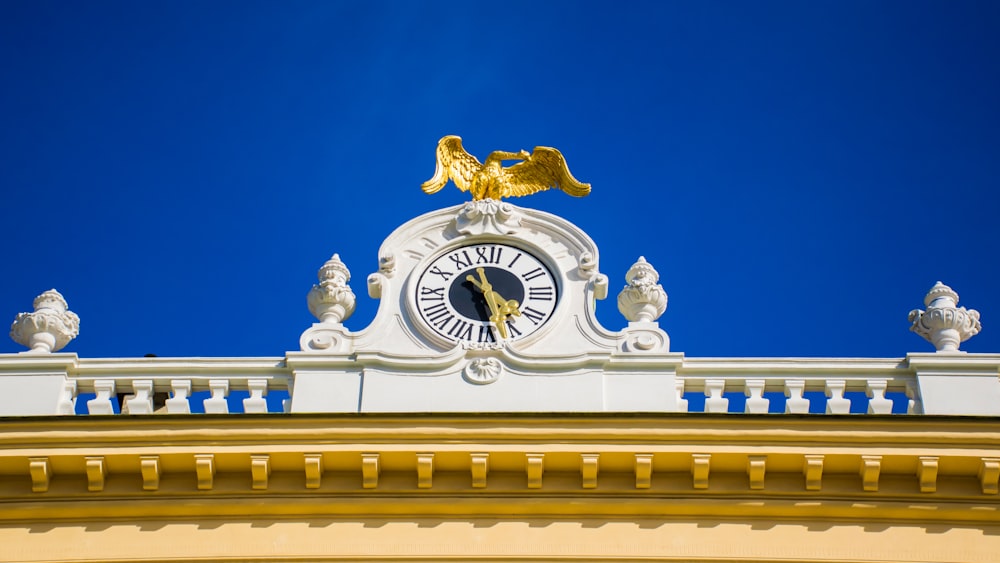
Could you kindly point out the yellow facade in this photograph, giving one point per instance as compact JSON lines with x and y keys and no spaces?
{"x":490,"y":487}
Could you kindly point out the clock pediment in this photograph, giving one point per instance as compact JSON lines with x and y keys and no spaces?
{"x":483,"y":305}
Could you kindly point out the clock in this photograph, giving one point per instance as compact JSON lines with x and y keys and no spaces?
{"x":485,"y":293}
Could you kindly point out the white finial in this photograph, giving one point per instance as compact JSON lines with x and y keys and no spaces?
{"x":643,"y":299}
{"x":332,"y":301}
{"x":49,"y":328}
{"x":944,"y":324}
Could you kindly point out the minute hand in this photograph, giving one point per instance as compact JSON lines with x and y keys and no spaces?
{"x":496,"y":317}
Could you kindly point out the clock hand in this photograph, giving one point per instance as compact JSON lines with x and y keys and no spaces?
{"x":496,"y":317}
{"x":506,"y":308}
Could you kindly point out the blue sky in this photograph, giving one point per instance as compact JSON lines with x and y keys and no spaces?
{"x":800,"y":173}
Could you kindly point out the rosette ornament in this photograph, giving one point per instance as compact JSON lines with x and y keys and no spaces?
{"x":49,"y":328}
{"x":944,"y":323}
{"x":332,"y":301}
{"x":643,"y":299}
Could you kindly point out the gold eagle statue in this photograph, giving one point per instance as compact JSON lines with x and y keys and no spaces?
{"x":539,"y":170}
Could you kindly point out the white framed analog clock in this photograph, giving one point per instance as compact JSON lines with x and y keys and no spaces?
{"x":485,"y":293}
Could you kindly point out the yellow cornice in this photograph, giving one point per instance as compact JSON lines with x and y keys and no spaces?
{"x":600,"y":465}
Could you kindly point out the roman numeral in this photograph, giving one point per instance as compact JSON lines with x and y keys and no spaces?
{"x":536,"y":273}
{"x":440,"y":272}
{"x":534,"y":315}
{"x":436,"y":312}
{"x":486,"y":333}
{"x":457,"y":258}
{"x":514,"y":260}
{"x":444,"y":320}
{"x":431,"y":294}
{"x":546,"y":293}
{"x":488,"y":255}
{"x":461,"y":329}
{"x":512,"y":330}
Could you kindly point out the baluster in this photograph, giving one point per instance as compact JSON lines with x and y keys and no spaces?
{"x":682,"y":403}
{"x":877,"y":403}
{"x":912,"y":405}
{"x":286,"y":404}
{"x":101,"y":404}
{"x":796,"y":402}
{"x":216,"y":404}
{"x":756,"y":403}
{"x":255,"y":402}
{"x":141,"y":402}
{"x":837,"y":404}
{"x":715,"y":401}
{"x":178,"y":404}
{"x":67,"y":399}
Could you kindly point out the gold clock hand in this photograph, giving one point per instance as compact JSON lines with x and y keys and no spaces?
{"x":496,"y":317}
{"x":507,"y":308}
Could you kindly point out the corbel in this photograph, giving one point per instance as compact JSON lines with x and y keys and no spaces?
{"x":425,"y":470}
{"x":369,"y":470}
{"x":699,"y":470}
{"x":41,"y":473}
{"x":589,"y":465}
{"x":871,"y":466}
{"x":534,"y":465}
{"x":756,"y":465}
{"x":260,"y":470}
{"x":96,"y":472}
{"x":480,"y":465}
{"x":812,"y":469}
{"x":149,"y":466}
{"x":989,"y":475}
{"x":927,"y":472}
{"x":204,"y":467}
{"x":314,"y":470}
{"x":643,"y":471}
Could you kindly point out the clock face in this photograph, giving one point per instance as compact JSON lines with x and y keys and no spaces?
{"x":485,"y":293}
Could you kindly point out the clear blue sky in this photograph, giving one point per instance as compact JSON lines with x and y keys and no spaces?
{"x":800,"y":173}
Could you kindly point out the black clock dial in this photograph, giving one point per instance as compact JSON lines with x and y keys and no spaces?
{"x":471,"y":303}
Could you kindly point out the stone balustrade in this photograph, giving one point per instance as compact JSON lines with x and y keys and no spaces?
{"x":929,"y":383}
{"x":797,"y":386}
{"x":33,"y":384}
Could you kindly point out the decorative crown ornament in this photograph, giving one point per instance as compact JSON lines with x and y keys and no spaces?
{"x":49,"y":328}
{"x":332,"y":300}
{"x":944,"y":323}
{"x":643,"y":299}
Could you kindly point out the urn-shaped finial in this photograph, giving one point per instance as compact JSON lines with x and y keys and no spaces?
{"x":332,"y":300}
{"x":944,"y":323}
{"x":49,"y":328}
{"x":643,"y":299}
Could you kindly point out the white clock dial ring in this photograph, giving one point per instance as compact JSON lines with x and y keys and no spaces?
{"x":450,"y":300}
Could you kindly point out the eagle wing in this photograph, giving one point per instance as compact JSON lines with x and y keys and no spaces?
{"x":452,"y":163}
{"x":545,"y":168}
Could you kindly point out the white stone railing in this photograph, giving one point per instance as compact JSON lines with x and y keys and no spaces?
{"x":930,"y":383}
{"x":176,"y":386}
{"x":797,"y":386}
{"x":39,"y":384}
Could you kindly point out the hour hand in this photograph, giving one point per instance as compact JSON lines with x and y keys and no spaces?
{"x":483,"y":285}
